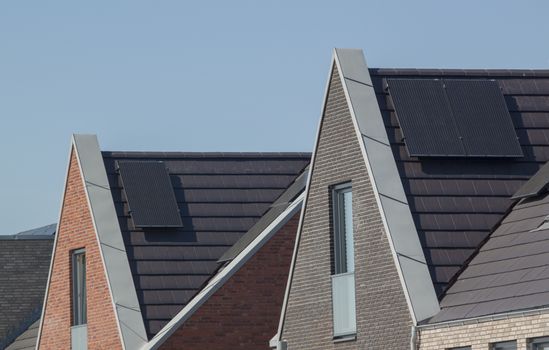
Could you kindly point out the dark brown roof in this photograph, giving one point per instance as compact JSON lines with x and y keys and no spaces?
{"x":457,"y":202}
{"x":220,"y":197}
{"x":510,"y":272}
{"x":24,"y":265}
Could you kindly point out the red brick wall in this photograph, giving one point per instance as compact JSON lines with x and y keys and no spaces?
{"x":243,"y":313}
{"x":76,"y":231}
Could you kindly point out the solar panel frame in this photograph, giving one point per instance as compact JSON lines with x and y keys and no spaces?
{"x":425,"y":118}
{"x":482,"y":118}
{"x":150,"y":195}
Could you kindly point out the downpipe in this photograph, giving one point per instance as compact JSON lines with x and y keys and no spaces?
{"x":413,"y":338}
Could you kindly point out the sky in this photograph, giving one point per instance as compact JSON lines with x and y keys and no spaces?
{"x":212,"y":75}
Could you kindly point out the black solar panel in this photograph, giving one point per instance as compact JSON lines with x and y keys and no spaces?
{"x":482,"y":118}
{"x":150,"y":194}
{"x":535,"y":185}
{"x":425,"y":117}
{"x":459,"y":118}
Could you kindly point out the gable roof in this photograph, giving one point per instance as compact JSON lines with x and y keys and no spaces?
{"x":24,"y":265}
{"x":456,"y":203}
{"x":510,"y":272}
{"x":220,"y":197}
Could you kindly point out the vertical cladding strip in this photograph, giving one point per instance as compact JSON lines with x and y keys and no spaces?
{"x":111,"y":245}
{"x":76,"y":230}
{"x":389,"y":192}
{"x":383,"y":317}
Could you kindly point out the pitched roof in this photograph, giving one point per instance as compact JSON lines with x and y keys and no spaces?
{"x":27,"y":339}
{"x":511,"y":270}
{"x":24,"y":265}
{"x":220,"y":197}
{"x":456,"y":203}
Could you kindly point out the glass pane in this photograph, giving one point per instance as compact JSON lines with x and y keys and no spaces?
{"x":542,"y":346}
{"x":79,"y":288}
{"x":348,"y":227}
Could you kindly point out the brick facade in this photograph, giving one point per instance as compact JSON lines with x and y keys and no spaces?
{"x":76,"y":231}
{"x":244,"y":312}
{"x":383,"y":319}
{"x":479,"y":335}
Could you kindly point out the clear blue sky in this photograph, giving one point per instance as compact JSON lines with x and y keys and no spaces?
{"x":212,"y":76}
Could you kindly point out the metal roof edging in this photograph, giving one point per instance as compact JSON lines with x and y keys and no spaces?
{"x":387,"y":185}
{"x":278,"y":335}
{"x":485,"y":318}
{"x":219,"y":280}
{"x":111,"y":244}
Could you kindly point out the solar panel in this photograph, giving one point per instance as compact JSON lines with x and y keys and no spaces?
{"x":425,"y":117}
{"x":482,"y":118}
{"x":150,"y":194}
{"x":535,"y":185}
{"x":455,"y":118}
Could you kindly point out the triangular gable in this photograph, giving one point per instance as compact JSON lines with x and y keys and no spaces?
{"x":106,"y":244}
{"x":397,"y":220}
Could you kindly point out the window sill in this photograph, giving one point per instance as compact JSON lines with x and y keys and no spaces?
{"x":345,"y":338}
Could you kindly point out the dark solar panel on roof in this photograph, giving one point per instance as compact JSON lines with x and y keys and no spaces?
{"x":150,"y":194}
{"x":425,"y":117}
{"x":455,"y":118}
{"x":482,"y":118}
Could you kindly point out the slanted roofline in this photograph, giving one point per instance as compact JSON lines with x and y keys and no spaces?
{"x":111,"y":246}
{"x":395,"y":212}
{"x":225,"y":274}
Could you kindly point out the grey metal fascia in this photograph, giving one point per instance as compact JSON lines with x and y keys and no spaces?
{"x":389,"y":191}
{"x":111,"y":244}
{"x":486,"y":318}
{"x":224,"y":275}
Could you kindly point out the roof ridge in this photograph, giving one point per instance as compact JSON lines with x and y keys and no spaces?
{"x":473,"y":72}
{"x":177,"y":154}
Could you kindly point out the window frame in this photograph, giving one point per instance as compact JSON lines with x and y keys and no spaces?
{"x":505,"y":344}
{"x":535,"y":342}
{"x":78,"y":287}
{"x":340,"y":234}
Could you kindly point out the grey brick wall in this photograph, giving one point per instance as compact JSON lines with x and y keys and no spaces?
{"x":383,"y":319}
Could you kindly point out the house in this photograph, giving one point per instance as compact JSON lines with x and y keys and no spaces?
{"x":24,"y":265}
{"x":171,"y":250}
{"x":425,"y":218}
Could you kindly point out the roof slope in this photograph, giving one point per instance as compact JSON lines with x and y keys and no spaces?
{"x":220,"y":197}
{"x":510,"y":272}
{"x":27,"y":339}
{"x":456,"y":202}
{"x":24,"y":266}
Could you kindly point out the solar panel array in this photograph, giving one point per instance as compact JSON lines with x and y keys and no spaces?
{"x":150,"y":194}
{"x":454,"y":118}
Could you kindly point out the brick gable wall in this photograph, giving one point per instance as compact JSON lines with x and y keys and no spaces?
{"x":383,"y":319}
{"x":76,"y":231}
{"x":244,"y":312}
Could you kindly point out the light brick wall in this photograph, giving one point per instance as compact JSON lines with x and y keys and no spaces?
{"x":76,"y":231}
{"x":383,"y":319}
{"x":480,"y":335}
{"x":243,"y":313}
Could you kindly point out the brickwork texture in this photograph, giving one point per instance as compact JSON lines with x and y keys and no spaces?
{"x":480,"y":335}
{"x":244,"y":312}
{"x":76,"y":231}
{"x":383,"y":319}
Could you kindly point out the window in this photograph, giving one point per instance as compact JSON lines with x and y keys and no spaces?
{"x":79,"y":287}
{"x":506,"y":345}
{"x":461,"y":348}
{"x":344,"y":260}
{"x":343,"y":281}
{"x":539,"y":344}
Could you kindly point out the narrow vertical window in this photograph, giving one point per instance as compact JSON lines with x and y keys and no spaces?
{"x":79,"y":287}
{"x":343,"y":281}
{"x":343,"y":229}
{"x":506,"y":345}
